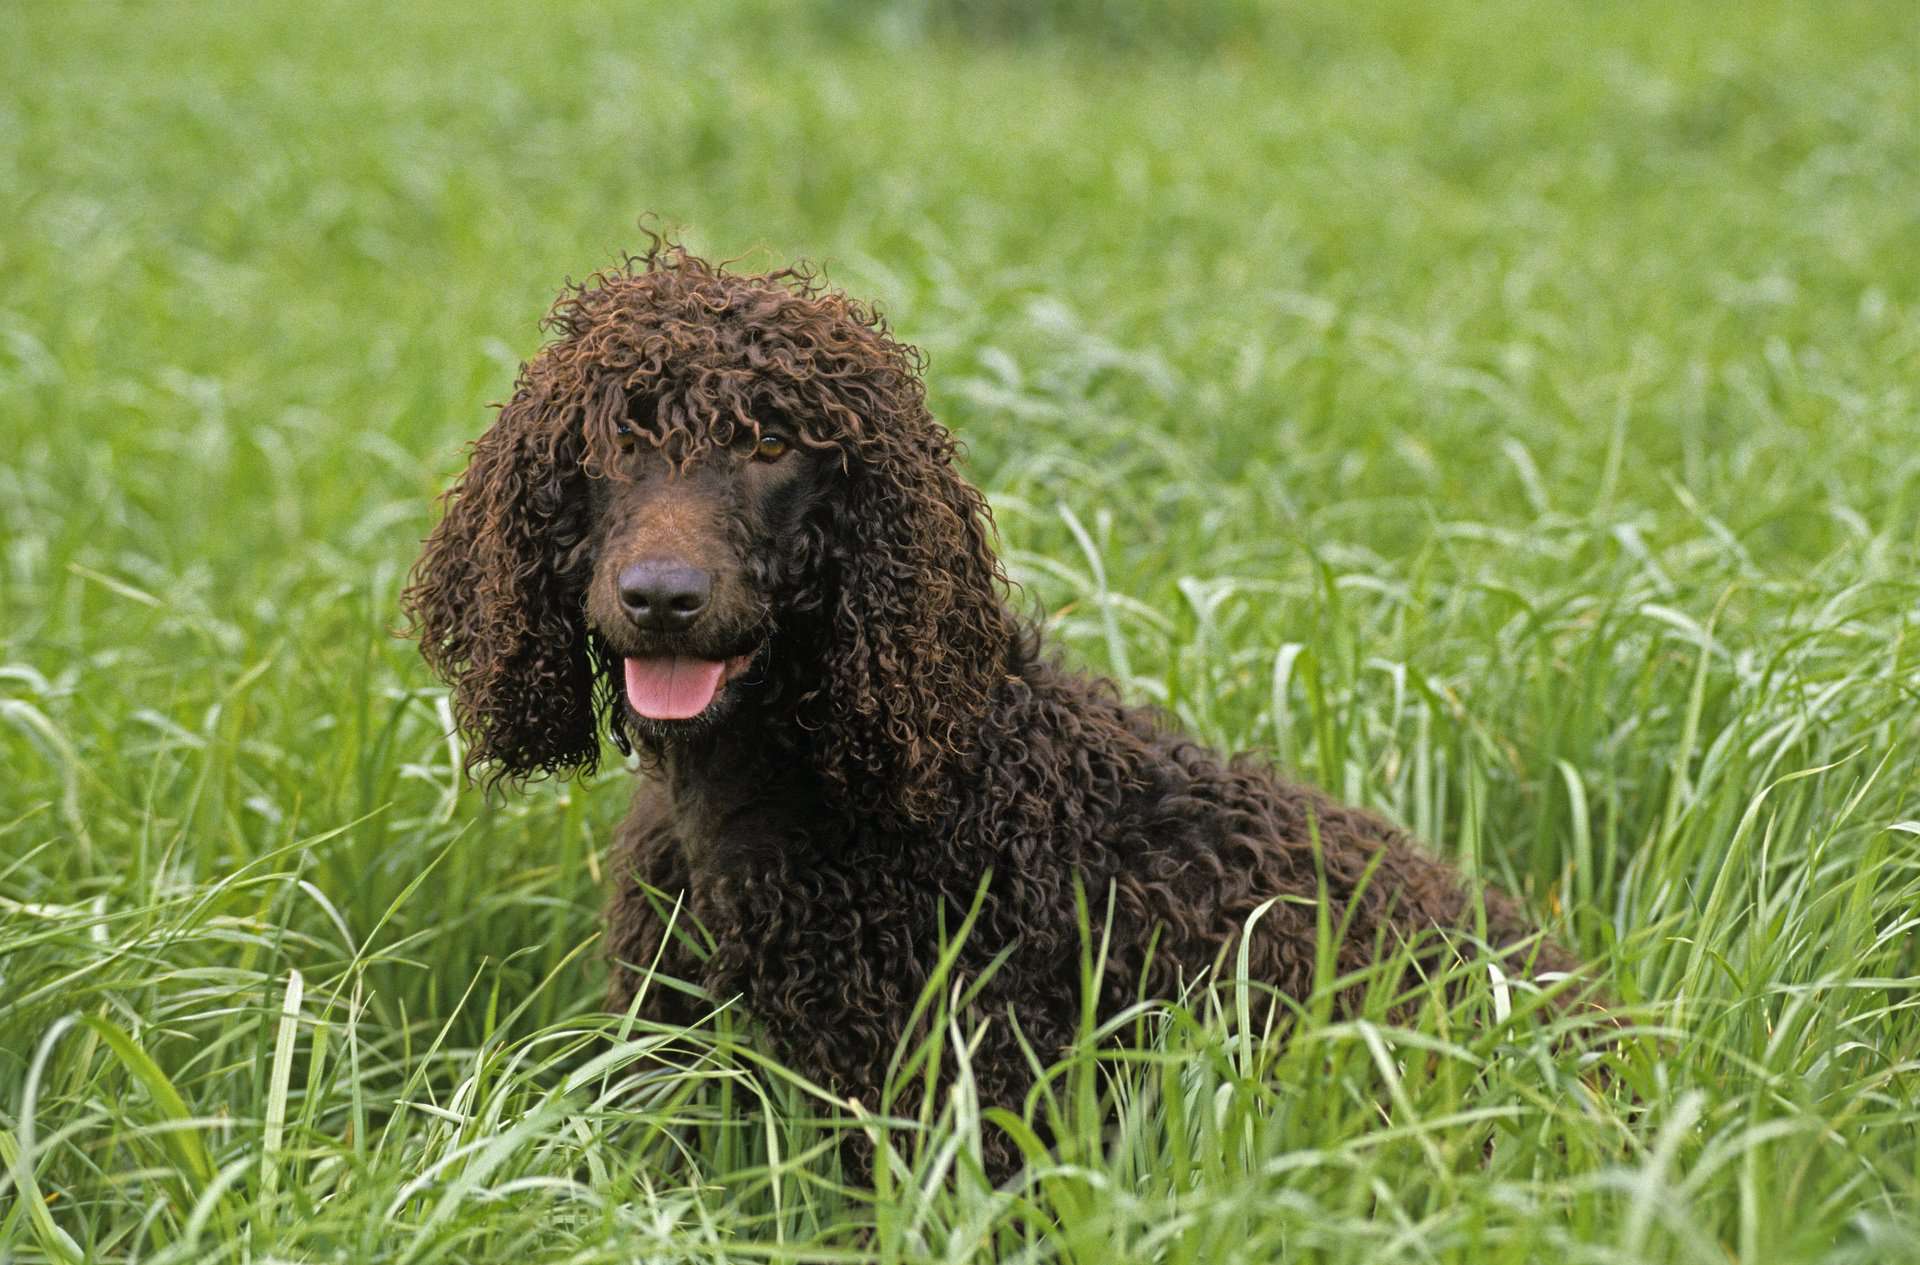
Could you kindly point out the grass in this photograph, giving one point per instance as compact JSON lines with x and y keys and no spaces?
{"x":1504,"y":415}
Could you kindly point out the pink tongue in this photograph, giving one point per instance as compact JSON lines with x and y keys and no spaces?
{"x":672,"y":687}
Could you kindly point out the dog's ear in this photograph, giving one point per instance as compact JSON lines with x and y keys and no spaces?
{"x":496,"y":596}
{"x":920,"y":629}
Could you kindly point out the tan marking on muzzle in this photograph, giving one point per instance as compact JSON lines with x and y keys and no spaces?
{"x":680,"y":525}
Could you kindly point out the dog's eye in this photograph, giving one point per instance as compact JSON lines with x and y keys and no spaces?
{"x":623,"y":436}
{"x":771,"y":447}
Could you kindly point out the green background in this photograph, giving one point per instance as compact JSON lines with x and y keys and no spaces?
{"x":1505,"y":415}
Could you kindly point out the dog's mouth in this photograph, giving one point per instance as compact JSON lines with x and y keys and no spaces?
{"x":673,"y":687}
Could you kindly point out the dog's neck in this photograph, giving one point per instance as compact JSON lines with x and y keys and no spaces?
{"x":765,"y":768}
{"x":737,"y":789}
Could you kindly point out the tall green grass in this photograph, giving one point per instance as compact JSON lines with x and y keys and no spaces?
{"x":1504,"y":416}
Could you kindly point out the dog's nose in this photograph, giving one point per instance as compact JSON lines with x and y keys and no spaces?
{"x":662,"y":595}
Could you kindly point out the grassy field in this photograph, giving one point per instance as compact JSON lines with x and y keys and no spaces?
{"x":1504,"y":414}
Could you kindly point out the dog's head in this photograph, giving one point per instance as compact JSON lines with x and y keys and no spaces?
{"x":715,"y":497}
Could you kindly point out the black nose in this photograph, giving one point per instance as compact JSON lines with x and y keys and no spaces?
{"x":662,"y":595}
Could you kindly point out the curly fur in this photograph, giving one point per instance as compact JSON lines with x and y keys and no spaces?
{"x":903,"y":735}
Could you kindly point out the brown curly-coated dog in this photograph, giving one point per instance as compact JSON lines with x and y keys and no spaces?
{"x":717,"y":518}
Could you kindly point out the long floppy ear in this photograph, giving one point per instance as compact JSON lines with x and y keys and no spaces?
{"x":920,"y":629}
{"x":496,"y":596}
